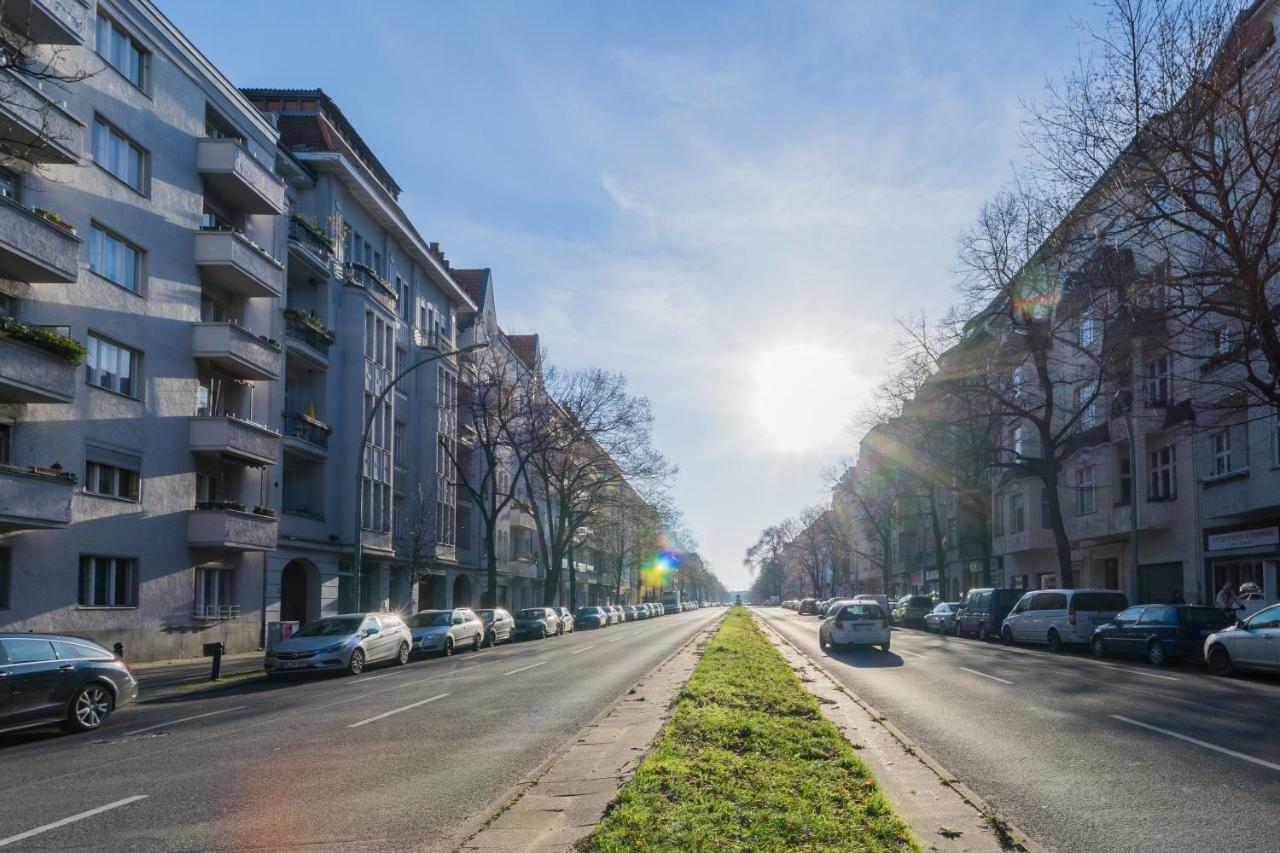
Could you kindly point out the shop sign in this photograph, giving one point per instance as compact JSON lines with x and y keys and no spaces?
{"x":1256,"y":538}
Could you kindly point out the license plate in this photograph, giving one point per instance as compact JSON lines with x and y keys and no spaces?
{"x":858,"y":627}
{"x":292,"y":664}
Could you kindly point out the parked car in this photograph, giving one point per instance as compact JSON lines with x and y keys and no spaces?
{"x":1252,"y":643}
{"x":629,"y":611}
{"x":445,"y":631}
{"x":858,"y":623}
{"x":499,"y":625}
{"x":911,"y":610}
{"x":808,"y":607}
{"x":540,"y":622}
{"x":591,"y":617}
{"x":1056,"y":617}
{"x":1158,"y":632}
{"x":661,"y":608}
{"x":567,"y":622}
{"x":642,"y":611}
{"x":48,"y":679}
{"x":942,"y":618}
{"x":348,"y":642}
{"x":982,"y":611}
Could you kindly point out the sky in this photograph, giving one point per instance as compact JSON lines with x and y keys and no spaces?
{"x":730,"y":202}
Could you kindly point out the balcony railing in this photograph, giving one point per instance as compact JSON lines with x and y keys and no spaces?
{"x":306,"y":428}
{"x":31,"y":120}
{"x":216,"y":612}
{"x":48,"y":21}
{"x":359,"y":275}
{"x":308,"y":330}
{"x":305,"y":233}
{"x":37,"y":363}
{"x":231,"y":260}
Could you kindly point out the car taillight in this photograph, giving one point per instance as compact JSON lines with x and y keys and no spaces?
{"x":1071,"y":616}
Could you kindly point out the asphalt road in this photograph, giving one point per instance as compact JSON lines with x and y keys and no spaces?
{"x":1060,"y":744}
{"x":399,"y":758}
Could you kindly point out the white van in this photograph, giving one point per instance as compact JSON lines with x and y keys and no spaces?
{"x":1058,"y":616}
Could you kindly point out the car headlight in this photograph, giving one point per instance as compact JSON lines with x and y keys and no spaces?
{"x":328,"y":650}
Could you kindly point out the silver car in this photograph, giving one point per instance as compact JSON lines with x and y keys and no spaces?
{"x":499,"y":625}
{"x":444,"y":631}
{"x":566,"y":620}
{"x":348,"y":642}
{"x":1252,"y":643}
{"x":540,"y":622}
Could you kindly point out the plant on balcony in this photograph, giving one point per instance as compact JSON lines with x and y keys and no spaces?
{"x":234,"y":506}
{"x":272,"y":342}
{"x":264,"y":511}
{"x":62,"y":346}
{"x":312,"y":227}
{"x":312,"y":321}
{"x":52,"y":216}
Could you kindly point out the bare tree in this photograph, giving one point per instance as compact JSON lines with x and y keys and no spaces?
{"x":765,"y":560}
{"x":811,"y":548}
{"x":416,"y":544}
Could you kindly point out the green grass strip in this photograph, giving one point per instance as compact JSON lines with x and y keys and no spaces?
{"x":748,"y":762}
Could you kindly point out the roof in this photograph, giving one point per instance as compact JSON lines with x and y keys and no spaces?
{"x":526,"y":348}
{"x":310,"y":120}
{"x":472,"y":282}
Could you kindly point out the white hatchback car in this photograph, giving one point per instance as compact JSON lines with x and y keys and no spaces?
{"x":1056,"y":617}
{"x":856,"y":623}
{"x":1252,"y":643}
{"x":443,"y":631}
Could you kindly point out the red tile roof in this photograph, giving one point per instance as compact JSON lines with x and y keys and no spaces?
{"x":472,"y":283}
{"x":525,"y":348}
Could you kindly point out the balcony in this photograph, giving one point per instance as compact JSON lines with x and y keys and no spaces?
{"x":48,"y":21}
{"x":235,"y":263}
{"x":1029,"y":539}
{"x":34,"y":248}
{"x":307,"y":337}
{"x":306,"y":435}
{"x":34,"y":366}
{"x":311,"y":246}
{"x":237,"y":177}
{"x":367,"y":278}
{"x":227,"y":527}
{"x":34,"y":498}
{"x":236,"y":350}
{"x":32,"y":122}
{"x":230,"y":438}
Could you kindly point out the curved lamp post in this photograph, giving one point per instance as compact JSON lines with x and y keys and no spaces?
{"x":480,"y":341}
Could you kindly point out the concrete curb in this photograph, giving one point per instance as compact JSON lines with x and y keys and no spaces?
{"x":917,"y":789}
{"x":563,"y":799}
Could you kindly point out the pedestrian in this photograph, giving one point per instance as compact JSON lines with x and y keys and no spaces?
{"x":1226,"y":600}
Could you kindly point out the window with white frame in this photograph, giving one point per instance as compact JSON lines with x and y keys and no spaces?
{"x":1087,"y":405}
{"x":1088,"y":330}
{"x":1019,"y":441}
{"x":108,"y":581}
{"x":1220,"y":463}
{"x":1016,"y":382}
{"x":115,"y":259}
{"x":215,"y":592}
{"x":1159,"y":388}
{"x":113,"y":366}
{"x":1017,"y":513}
{"x":1225,"y":341}
{"x":122,"y":51}
{"x":1163,"y":466}
{"x":111,"y":473}
{"x":953,"y":531}
{"x":997,"y":512}
{"x":1086,"y":489}
{"x":119,"y":155}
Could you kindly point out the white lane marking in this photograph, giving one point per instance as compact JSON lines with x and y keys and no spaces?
{"x":1205,"y":744}
{"x":614,"y":640}
{"x":372,"y":678}
{"x":183,"y":720}
{"x":581,"y":650}
{"x":396,"y":711}
{"x":1138,"y":671}
{"x":905,"y":652}
{"x":23,"y":836}
{"x":984,"y":675}
{"x":523,"y":668}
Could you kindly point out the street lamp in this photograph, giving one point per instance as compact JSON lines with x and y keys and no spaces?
{"x":479,"y":340}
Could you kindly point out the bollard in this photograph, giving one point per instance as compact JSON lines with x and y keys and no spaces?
{"x":118,"y":648}
{"x":214,"y":650}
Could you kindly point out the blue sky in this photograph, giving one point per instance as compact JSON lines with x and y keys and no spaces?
{"x":731,"y":202}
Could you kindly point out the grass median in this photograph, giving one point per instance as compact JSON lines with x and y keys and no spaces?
{"x":748,"y":762}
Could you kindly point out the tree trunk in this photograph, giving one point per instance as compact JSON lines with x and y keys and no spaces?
{"x":491,"y":563}
{"x":940,"y":554}
{"x":1060,"y":538}
{"x":573,"y":582}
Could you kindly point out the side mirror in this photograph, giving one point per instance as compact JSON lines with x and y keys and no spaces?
{"x":457,"y":620}
{"x":369,"y":632}
{"x":1241,"y":626}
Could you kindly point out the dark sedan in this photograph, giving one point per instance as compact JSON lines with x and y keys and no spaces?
{"x":591,"y":617}
{"x":540,"y":622}
{"x":1158,"y":632}
{"x":56,"y":679}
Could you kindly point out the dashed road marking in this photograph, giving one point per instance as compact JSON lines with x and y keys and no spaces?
{"x":23,"y":836}
{"x":1198,"y":742}
{"x":395,"y":711}
{"x":523,"y":668}
{"x":184,"y":720}
{"x":984,"y":675}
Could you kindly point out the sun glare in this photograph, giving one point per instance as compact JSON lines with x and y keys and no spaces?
{"x":801,"y":397}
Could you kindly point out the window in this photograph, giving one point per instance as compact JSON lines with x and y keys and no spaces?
{"x":953,"y":532}
{"x":463,"y":537}
{"x":112,"y":474}
{"x":29,"y":651}
{"x":998,"y":511}
{"x":1018,"y":441}
{"x":6,"y":444}
{"x":1017,"y":513}
{"x":124,"y":53}
{"x":116,"y":153}
{"x":1225,"y":341}
{"x":1087,"y":406}
{"x":1016,"y":381}
{"x":1088,"y":330}
{"x":402,"y":297}
{"x":5,"y":579}
{"x":114,"y":259}
{"x":1086,"y":490}
{"x":215,"y":593}
{"x":1158,"y":388}
{"x":108,"y":582}
{"x":1044,"y":508}
{"x":398,"y":441}
{"x":1164,"y":474}
{"x":10,"y":185}
{"x":1126,"y":478}
{"x":113,"y":366}
{"x":1220,"y":448}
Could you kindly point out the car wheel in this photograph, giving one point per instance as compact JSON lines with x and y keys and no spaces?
{"x":982,"y":632}
{"x":1219,"y":661}
{"x":1156,"y":655}
{"x":448,"y":646}
{"x":884,"y":647}
{"x":822,"y":641}
{"x":1006,"y":634}
{"x":403,"y":657}
{"x":560,"y":630}
{"x":355,"y":666}
{"x":543,"y":635}
{"x":491,"y":640}
{"x":1098,"y":647}
{"x":1053,"y":641}
{"x":89,"y":708}
{"x":476,"y":642}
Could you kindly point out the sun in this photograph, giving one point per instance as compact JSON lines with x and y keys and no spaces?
{"x":801,"y":396}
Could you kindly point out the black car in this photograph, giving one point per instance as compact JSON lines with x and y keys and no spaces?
{"x":1158,"y":632}
{"x":57,"y":679}
{"x":809,"y":607}
{"x":982,"y":611}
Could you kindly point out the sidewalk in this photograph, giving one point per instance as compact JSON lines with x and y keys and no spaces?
{"x":161,"y":675}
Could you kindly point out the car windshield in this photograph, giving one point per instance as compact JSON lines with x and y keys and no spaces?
{"x":1100,"y":601}
{"x":862,"y":611}
{"x":942,"y":608}
{"x":486,"y":615}
{"x":431,"y":619}
{"x":531,"y":613}
{"x":331,"y":628}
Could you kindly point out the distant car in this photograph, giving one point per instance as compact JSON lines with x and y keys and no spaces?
{"x":629,"y":612}
{"x":540,"y":622}
{"x":591,"y":617}
{"x":982,"y":611}
{"x":661,"y":608}
{"x":499,"y":625}
{"x":808,"y":607}
{"x":911,"y":610}
{"x":348,"y":642}
{"x":48,"y":679}
{"x":446,"y":631}
{"x":1158,"y":632}
{"x":942,"y":618}
{"x":1058,"y":617}
{"x":1252,"y":643}
{"x":642,"y":611}
{"x":858,"y":623}
{"x":567,"y":622}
